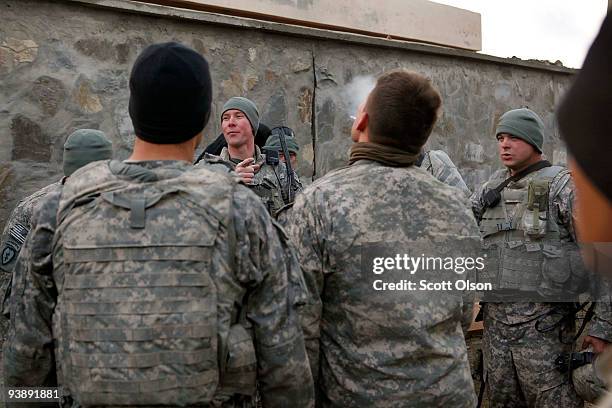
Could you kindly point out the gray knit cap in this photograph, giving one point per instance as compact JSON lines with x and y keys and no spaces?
{"x":273,"y":143}
{"x":524,"y":124}
{"x":85,"y":146}
{"x":246,"y":106}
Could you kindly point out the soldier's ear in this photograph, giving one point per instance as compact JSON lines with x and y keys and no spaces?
{"x":362,"y":121}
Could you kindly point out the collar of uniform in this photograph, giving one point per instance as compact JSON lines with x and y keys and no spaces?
{"x":258,"y":155}
{"x":363,"y":162}
{"x":154,"y":164}
{"x":149,"y":170}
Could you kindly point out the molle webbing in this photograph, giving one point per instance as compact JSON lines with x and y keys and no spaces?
{"x":144,"y":334}
{"x":515,"y":259}
{"x":138,"y":310}
{"x":170,"y":391}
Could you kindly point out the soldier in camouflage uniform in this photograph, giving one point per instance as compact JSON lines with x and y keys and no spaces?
{"x":273,"y":143}
{"x":239,"y":122}
{"x":18,"y":226}
{"x":442,"y":167}
{"x":384,"y":349}
{"x":143,"y":276}
{"x":81,"y":147}
{"x":529,"y":240}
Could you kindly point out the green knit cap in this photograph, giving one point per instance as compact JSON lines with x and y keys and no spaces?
{"x":273,"y":143}
{"x":524,"y":124}
{"x":247,"y":107}
{"x":83,"y":147}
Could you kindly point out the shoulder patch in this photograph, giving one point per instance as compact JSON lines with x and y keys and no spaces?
{"x":8,"y":253}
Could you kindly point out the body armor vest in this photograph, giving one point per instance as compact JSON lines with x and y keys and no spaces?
{"x":268,"y":182}
{"x":138,"y":319}
{"x":524,"y":252}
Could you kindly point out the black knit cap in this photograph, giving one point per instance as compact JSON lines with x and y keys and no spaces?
{"x":170,"y":93}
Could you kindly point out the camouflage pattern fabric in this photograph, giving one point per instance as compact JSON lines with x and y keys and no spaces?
{"x":381,"y":349}
{"x":18,"y":226}
{"x":516,"y":353}
{"x":586,"y":379}
{"x":15,"y":232}
{"x":269,"y":182}
{"x":442,"y":167}
{"x":601,"y":324}
{"x":520,"y":369}
{"x":259,"y":274}
{"x":587,"y":382}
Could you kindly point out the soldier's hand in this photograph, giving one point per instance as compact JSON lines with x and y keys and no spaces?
{"x":246,"y":169}
{"x":598,"y":344}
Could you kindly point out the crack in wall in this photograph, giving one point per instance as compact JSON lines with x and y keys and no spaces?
{"x":313,"y":116}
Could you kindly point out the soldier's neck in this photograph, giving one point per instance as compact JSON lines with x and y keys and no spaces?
{"x":242,"y":152}
{"x":524,"y":165}
{"x":145,"y":151}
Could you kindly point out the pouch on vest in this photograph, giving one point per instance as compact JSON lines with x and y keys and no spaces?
{"x":269,"y":194}
{"x":535,"y":215}
{"x":519,"y":269}
{"x":138,"y":311}
{"x":563,"y":273}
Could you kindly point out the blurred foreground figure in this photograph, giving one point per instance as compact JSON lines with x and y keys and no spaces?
{"x":585,"y":122}
{"x":384,"y":347}
{"x":143,"y":277}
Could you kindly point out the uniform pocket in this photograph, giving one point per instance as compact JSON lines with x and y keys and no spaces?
{"x":241,"y":367}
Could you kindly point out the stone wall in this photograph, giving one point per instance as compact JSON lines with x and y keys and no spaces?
{"x":65,"y":65}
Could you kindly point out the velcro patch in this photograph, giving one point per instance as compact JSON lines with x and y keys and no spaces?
{"x":8,"y":253}
{"x":19,"y":233}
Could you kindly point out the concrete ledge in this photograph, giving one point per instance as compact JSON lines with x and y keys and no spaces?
{"x":416,"y":20}
{"x":314,"y":33}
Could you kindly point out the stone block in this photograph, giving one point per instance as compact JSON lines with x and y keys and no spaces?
{"x":48,"y":93}
{"x":85,"y":99}
{"x":29,"y":141}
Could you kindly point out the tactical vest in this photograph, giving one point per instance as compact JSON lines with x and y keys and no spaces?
{"x":269,"y":189}
{"x":267,"y":183}
{"x":139,"y":320}
{"x":522,"y":242}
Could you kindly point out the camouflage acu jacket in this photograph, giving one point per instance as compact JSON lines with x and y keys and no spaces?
{"x":19,"y":224}
{"x":561,"y":204}
{"x":15,"y":232}
{"x":259,"y":272}
{"x":442,"y":167}
{"x":269,"y":183}
{"x":383,"y":348}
